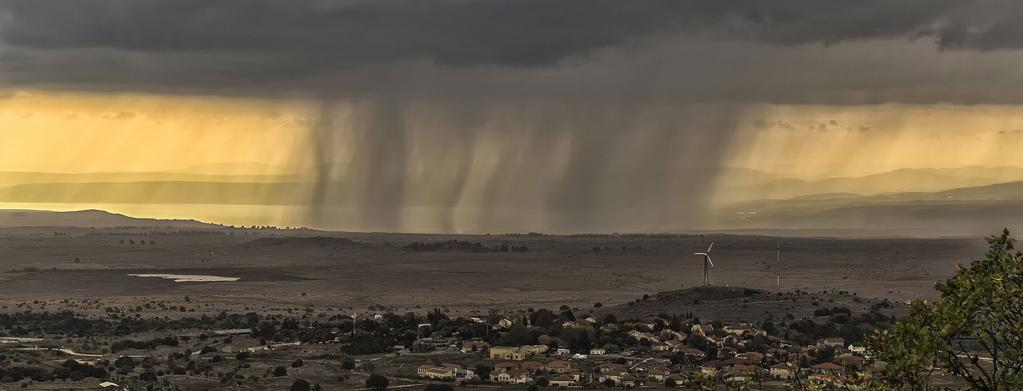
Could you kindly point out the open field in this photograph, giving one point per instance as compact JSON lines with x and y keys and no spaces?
{"x":206,"y":307}
{"x":293,"y":268}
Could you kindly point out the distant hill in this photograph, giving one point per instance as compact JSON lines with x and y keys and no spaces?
{"x":975,"y":210}
{"x":89,"y":218}
{"x":903,"y":180}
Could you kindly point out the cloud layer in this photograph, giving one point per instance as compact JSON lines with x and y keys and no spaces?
{"x":490,"y":115}
{"x":248,"y":44}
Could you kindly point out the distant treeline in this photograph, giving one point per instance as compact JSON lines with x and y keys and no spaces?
{"x":610,"y":235}
{"x":71,"y":369}
{"x":143,"y":345}
{"x":459,"y":245}
{"x":635,"y":235}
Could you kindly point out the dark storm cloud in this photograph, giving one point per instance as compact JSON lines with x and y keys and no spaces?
{"x":283,"y":34}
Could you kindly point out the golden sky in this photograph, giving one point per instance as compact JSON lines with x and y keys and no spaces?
{"x":97,"y":132}
{"x":827,"y":141}
{"x":48,"y":131}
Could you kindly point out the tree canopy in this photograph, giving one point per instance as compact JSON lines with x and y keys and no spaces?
{"x":974,"y":331}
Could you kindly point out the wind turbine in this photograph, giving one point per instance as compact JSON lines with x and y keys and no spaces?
{"x":707,"y":264}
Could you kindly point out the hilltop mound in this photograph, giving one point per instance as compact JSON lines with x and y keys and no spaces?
{"x":743,"y":304}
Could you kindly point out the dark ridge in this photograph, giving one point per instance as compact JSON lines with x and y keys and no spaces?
{"x":315,"y":241}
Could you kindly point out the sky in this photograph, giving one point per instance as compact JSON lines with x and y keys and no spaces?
{"x":498,"y":115}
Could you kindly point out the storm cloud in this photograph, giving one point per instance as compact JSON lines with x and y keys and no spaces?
{"x":241,"y":43}
{"x":489,"y":115}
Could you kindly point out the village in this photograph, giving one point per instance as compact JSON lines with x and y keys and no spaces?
{"x":653,"y":353}
{"x":378,"y":348}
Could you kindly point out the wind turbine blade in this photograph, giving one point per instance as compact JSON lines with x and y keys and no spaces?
{"x":711,"y":246}
{"x":699,"y":253}
{"x":710,"y":260}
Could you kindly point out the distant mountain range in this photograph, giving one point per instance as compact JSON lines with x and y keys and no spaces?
{"x":746,"y":187}
{"x":916,"y":202}
{"x":89,"y":218}
{"x":975,"y":210}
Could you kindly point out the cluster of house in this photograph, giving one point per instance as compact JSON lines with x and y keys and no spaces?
{"x":646,"y":362}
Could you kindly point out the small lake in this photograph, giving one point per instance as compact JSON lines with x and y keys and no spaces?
{"x":188,"y":277}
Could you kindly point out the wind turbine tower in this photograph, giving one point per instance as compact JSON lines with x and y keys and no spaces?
{"x":707,"y":264}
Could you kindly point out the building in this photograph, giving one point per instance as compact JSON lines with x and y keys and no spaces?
{"x":610,"y":368}
{"x":828,"y":368}
{"x":430,"y":371}
{"x":737,"y":376}
{"x":504,"y":367}
{"x":520,"y":377}
{"x":459,"y":372}
{"x":639,"y":336}
{"x":781,"y":371}
{"x":692,"y":353}
{"x":531,"y":366}
{"x":659,"y":373}
{"x":702,"y":329}
{"x":751,"y":357}
{"x":598,"y":352}
{"x":628,"y":381}
{"x":564,"y":380}
{"x":559,"y":366}
{"x":535,"y":349}
{"x":711,"y":367}
{"x":507,"y":353}
{"x":677,"y":378}
{"x":501,"y":377}
{"x":835,"y":342}
{"x":612,"y":372}
{"x":669,"y":334}
{"x":475,"y":346}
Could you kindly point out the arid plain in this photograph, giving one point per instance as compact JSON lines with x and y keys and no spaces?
{"x":354,"y":270}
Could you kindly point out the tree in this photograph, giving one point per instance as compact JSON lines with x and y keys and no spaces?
{"x":377,"y":382}
{"x":483,"y":371}
{"x":301,"y":385}
{"x":280,"y":371}
{"x":974,"y":331}
{"x":348,"y":364}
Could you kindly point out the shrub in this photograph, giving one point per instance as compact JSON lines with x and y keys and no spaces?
{"x":301,"y":385}
{"x":280,"y":371}
{"x":377,"y":382}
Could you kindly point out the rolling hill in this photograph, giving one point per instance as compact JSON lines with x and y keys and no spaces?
{"x":966,"y":211}
{"x":922,"y":180}
{"x":89,"y":218}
